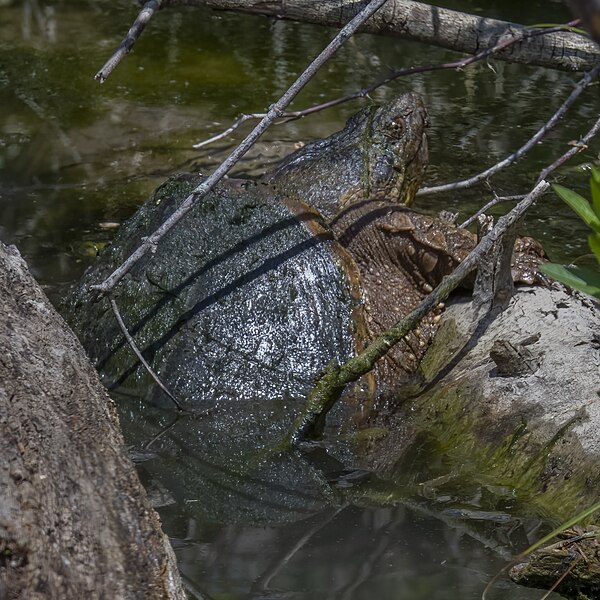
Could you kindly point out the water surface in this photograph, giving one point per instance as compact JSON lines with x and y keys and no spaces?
{"x":77,"y":158}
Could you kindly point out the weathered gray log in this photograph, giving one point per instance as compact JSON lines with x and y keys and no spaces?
{"x":421,"y":22}
{"x":515,"y":401}
{"x":74,"y":519}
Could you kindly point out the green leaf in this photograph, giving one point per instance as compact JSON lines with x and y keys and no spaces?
{"x":580,"y":205}
{"x":580,"y":278}
{"x":595,"y":185}
{"x":594,"y":242}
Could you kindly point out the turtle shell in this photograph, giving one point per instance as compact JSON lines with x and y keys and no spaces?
{"x":249,"y":301}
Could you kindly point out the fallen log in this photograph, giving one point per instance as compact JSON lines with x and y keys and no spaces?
{"x":420,"y":22}
{"x":74,"y":519}
{"x":512,"y":403}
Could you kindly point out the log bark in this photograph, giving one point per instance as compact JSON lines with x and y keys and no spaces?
{"x":514,"y":400}
{"x":421,"y":22}
{"x":74,"y":519}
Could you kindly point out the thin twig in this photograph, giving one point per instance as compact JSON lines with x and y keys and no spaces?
{"x":504,"y":42}
{"x":162,"y":432}
{"x":580,"y":146}
{"x":130,"y":39}
{"x":137,"y":352}
{"x":576,"y":149}
{"x":262,"y":582}
{"x":570,"y":568}
{"x":230,"y":129}
{"x":275,"y":111}
{"x":490,"y":204}
{"x":509,"y":160}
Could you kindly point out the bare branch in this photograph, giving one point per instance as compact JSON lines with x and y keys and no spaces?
{"x":137,"y":352}
{"x":130,"y":39}
{"x":275,"y":111}
{"x":230,"y":129}
{"x":509,"y":160}
{"x":292,"y":547}
{"x":580,"y":146}
{"x":497,"y":200}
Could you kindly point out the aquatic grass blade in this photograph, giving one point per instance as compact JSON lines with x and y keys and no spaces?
{"x":580,"y":278}
{"x":570,"y":28}
{"x":576,"y":519}
{"x":580,"y":205}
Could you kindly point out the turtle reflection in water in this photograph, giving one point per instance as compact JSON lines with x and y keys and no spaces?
{"x":267,"y":281}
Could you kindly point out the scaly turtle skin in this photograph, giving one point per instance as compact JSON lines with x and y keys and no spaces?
{"x":381,"y":154}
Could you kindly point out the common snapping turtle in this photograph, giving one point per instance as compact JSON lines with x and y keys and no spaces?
{"x":267,"y":281}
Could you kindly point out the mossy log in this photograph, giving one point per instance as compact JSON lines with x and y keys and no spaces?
{"x":513,"y":403}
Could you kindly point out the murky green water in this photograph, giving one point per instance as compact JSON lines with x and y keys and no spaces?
{"x":77,"y":157}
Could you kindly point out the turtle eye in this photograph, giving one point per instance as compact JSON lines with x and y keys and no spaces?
{"x":396,"y":127}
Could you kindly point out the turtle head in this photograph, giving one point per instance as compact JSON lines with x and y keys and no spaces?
{"x":395,"y":149}
{"x":380,"y":154}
